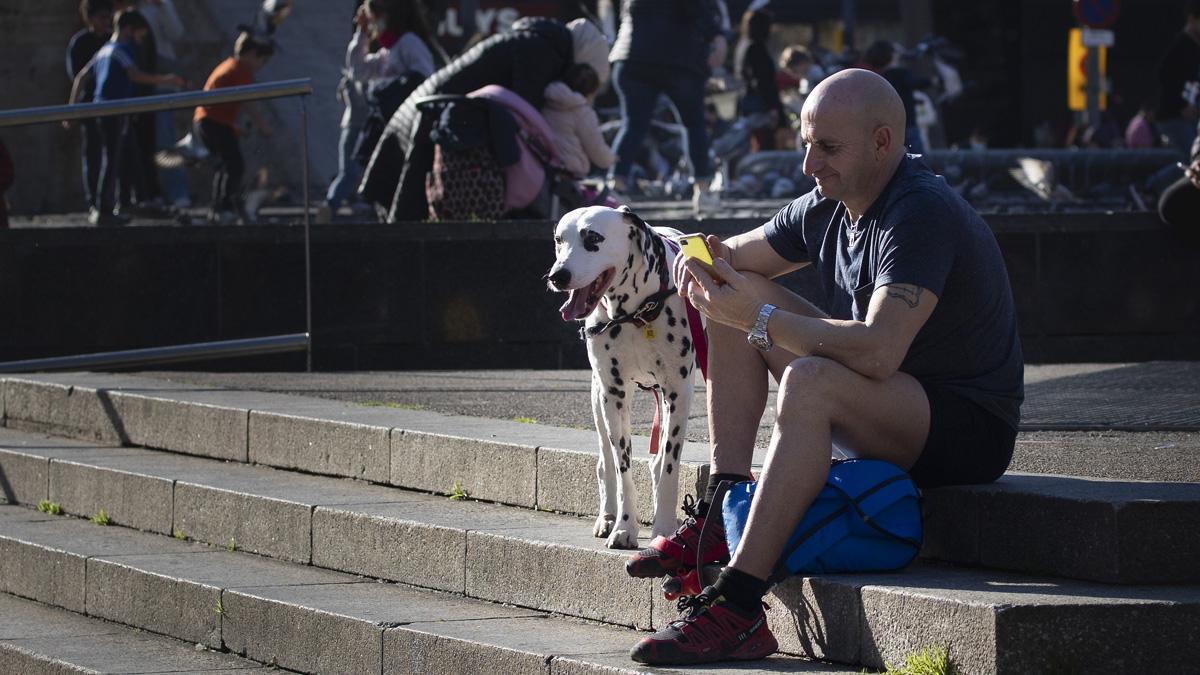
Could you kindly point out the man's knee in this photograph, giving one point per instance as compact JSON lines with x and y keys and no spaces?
{"x":809,"y":384}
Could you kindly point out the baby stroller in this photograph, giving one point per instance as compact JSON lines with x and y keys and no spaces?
{"x":491,"y":156}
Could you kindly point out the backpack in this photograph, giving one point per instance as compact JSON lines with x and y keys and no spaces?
{"x":867,"y":518}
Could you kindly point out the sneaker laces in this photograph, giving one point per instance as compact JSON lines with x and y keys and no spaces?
{"x":690,"y":506}
{"x":692,"y":607}
{"x":695,"y":605}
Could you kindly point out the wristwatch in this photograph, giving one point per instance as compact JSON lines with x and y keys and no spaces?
{"x":758,"y":335}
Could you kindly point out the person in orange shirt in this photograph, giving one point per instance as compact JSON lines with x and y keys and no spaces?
{"x":217,"y":125}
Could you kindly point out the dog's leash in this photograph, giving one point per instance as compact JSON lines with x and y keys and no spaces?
{"x":699,"y":339}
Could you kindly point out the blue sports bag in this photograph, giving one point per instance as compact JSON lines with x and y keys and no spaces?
{"x":867,"y":518}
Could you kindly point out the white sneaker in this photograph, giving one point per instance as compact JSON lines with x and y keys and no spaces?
{"x":222,"y":218}
{"x":704,"y":202}
{"x":101,"y":219}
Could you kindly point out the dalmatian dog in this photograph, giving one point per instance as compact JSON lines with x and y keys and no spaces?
{"x":616,"y":270}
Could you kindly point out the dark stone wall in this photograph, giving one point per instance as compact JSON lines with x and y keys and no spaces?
{"x":1114,"y":287}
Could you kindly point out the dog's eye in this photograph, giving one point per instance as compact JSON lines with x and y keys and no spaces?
{"x":592,"y":239}
{"x":558,"y":241}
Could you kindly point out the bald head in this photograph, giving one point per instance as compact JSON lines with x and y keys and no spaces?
{"x":853,"y":129}
{"x":858,"y":95}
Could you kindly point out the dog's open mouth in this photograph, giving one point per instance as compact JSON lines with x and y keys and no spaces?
{"x":581,"y":301}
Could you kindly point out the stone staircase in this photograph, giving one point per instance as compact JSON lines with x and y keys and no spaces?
{"x":316,"y":536}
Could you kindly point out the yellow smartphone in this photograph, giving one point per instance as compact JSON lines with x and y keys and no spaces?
{"x":696,"y":246}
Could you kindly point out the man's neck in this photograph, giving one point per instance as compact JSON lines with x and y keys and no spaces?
{"x":856,"y":207}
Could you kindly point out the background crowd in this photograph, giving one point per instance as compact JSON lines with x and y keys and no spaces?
{"x":542,"y":113}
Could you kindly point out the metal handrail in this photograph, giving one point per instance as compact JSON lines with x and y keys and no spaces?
{"x":198,"y":351}
{"x":143,"y":104}
{"x":251,"y":92}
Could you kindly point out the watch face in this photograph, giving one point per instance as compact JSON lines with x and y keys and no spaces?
{"x":761,"y":342}
{"x":758,"y":335}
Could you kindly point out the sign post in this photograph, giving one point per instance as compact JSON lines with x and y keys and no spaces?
{"x":1079,"y":65}
{"x":1097,"y":15}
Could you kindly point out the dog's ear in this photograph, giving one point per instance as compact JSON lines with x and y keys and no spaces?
{"x":641,"y":234}
{"x":632,"y":217}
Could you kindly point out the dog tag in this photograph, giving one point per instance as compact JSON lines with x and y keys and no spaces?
{"x":648,"y":331}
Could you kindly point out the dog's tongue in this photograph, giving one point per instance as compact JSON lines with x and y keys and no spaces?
{"x":576,"y":305}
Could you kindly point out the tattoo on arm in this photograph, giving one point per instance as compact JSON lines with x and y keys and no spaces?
{"x":908,"y":293}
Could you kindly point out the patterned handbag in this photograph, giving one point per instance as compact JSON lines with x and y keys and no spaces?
{"x":464,"y":184}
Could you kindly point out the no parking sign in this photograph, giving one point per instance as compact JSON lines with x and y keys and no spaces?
{"x":1096,"y":13}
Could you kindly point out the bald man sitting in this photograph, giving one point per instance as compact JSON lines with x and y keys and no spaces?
{"x":918,"y":361}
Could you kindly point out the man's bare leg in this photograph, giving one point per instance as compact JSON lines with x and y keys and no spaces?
{"x":737,"y":383}
{"x":737,"y":396}
{"x":820,"y":402}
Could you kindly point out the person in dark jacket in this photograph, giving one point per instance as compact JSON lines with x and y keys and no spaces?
{"x":1180,"y":65}
{"x":753,"y":63}
{"x":535,"y":53}
{"x":663,"y":48}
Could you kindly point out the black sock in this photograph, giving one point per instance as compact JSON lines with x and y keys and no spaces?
{"x":710,"y":492}
{"x":743,"y":591}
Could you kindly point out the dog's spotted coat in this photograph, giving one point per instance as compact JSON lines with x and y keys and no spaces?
{"x":612,"y":262}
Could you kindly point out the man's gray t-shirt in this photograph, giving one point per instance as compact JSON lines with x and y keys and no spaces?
{"x":919,"y":232}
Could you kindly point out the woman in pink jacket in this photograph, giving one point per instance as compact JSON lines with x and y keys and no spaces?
{"x":569,"y":113}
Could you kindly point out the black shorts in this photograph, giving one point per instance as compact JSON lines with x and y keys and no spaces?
{"x":966,"y":444}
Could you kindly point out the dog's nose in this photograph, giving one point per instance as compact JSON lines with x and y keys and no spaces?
{"x":559,"y":277}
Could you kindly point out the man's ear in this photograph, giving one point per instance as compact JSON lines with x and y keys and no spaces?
{"x":883,"y":140}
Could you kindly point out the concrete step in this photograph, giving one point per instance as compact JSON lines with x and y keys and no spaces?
{"x":1124,"y":532}
{"x":36,"y":638}
{"x":1165,"y":456}
{"x":1059,"y":395}
{"x":525,"y":465}
{"x":296,"y":616}
{"x":992,"y":621}
{"x":1085,"y":528}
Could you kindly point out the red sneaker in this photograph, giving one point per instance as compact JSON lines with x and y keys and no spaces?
{"x":710,"y":629}
{"x":665,"y":555}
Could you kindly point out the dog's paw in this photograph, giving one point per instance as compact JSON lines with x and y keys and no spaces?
{"x":622,"y":538}
{"x":604,"y":525}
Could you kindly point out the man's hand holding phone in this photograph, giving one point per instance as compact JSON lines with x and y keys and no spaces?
{"x":697,"y":252}
{"x":705,"y":277}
